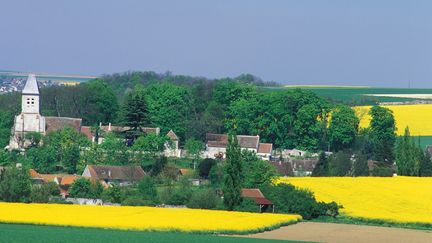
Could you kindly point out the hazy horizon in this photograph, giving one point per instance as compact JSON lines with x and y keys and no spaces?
{"x":367,"y":43}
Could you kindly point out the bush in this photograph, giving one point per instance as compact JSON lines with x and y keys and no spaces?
{"x":15,"y":185}
{"x":205,"y":199}
{"x":83,"y":188}
{"x":42,"y":193}
{"x":136,"y":201}
{"x":147,"y":188}
{"x":288,"y":199}
{"x":112,"y":194}
{"x":205,"y":166}
{"x":382,"y":171}
{"x":58,"y":200}
{"x":247,"y":205}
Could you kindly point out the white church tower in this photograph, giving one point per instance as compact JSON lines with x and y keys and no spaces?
{"x":30,"y":119}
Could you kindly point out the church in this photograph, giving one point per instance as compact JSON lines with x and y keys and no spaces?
{"x":30,"y":120}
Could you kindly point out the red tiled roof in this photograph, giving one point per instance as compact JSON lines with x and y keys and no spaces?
{"x":172,"y":135}
{"x":86,"y":130}
{"x":221,"y":140}
{"x":67,"y":180}
{"x":265,"y":148}
{"x":263,"y":201}
{"x":252,"y":193}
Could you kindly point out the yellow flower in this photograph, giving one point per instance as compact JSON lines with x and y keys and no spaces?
{"x":398,"y":199}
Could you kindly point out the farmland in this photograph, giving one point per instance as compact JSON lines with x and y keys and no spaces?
{"x":392,"y":199}
{"x":34,"y":233}
{"x":142,"y":218}
{"x":357,"y":95}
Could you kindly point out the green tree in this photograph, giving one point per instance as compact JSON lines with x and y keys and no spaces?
{"x":43,"y":160}
{"x":114,"y":150}
{"x":322,"y":166}
{"x":408,"y":156}
{"x":343,"y":128}
{"x":360,"y":165}
{"x":135,"y":111}
{"x":426,"y":164}
{"x":382,"y":133}
{"x":15,"y":185}
{"x":205,"y":167}
{"x":307,"y":127}
{"x":256,"y":172}
{"x":147,"y":189}
{"x":151,"y":144}
{"x":233,"y":171}
{"x":340,"y":163}
{"x":83,"y":188}
{"x":194,"y":148}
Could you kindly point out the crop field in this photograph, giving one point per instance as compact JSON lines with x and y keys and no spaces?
{"x":35,"y":233}
{"x":393,"y":199}
{"x":359,"y":93}
{"x":143,"y":218}
{"x":416,"y":117}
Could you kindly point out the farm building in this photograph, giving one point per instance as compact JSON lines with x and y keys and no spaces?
{"x":258,"y":197}
{"x":217,"y":143}
{"x":64,"y":181}
{"x":120,"y":175}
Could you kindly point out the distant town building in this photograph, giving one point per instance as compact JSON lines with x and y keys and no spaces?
{"x":120,"y":175}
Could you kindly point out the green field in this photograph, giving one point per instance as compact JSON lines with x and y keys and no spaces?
{"x":356,"y":95}
{"x":33,"y":233}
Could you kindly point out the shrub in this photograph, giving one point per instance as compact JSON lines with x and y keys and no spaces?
{"x":205,"y":166}
{"x":205,"y":199}
{"x":382,"y":171}
{"x":136,"y":201}
{"x":247,"y":205}
{"x":147,"y":188}
{"x":83,"y":188}
{"x":288,"y":199}
{"x":112,"y":194}
{"x":42,"y":193}
{"x":15,"y":185}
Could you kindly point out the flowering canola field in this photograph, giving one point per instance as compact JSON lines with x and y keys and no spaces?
{"x":416,"y":117}
{"x":396,"y":199}
{"x":142,"y":218}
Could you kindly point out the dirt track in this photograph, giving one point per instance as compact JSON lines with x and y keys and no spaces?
{"x":343,"y":233}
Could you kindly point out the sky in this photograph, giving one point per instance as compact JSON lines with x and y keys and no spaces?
{"x":369,"y":42}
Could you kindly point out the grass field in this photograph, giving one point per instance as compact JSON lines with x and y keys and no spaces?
{"x":393,"y":199}
{"x":356,"y":94}
{"x":33,"y":233}
{"x":143,"y":218}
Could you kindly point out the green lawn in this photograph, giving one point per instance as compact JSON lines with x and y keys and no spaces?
{"x":33,"y":233}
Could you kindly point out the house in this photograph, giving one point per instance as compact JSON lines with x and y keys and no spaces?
{"x":30,"y":120}
{"x":64,"y":181}
{"x":108,"y":175}
{"x":172,"y":147}
{"x":258,"y":197}
{"x":217,"y":143}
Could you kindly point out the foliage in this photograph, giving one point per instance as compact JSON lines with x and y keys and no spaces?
{"x":83,"y":188}
{"x":205,"y":199}
{"x":158,"y":166}
{"x":233,"y":174}
{"x":382,"y":133}
{"x":340,"y":163}
{"x":360,"y":165}
{"x":408,"y":155}
{"x":322,"y":166}
{"x":5,"y":158}
{"x":256,"y":172}
{"x":288,"y":199}
{"x":151,"y":144}
{"x":194,"y":148}
{"x":136,"y":201}
{"x":343,"y":128}
{"x":114,"y":150}
{"x":205,"y":166}
{"x":147,"y":189}
{"x":43,"y":193}
{"x":15,"y":185}
{"x":113,"y":194}
{"x":135,"y":111}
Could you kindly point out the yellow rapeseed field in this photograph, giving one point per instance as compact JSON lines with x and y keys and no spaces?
{"x":397,"y":199}
{"x":416,"y":117}
{"x":141,"y":218}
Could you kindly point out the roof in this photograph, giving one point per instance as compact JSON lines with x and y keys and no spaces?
{"x":221,"y":140}
{"x":171,"y":134}
{"x":62,"y":179}
{"x":31,"y":86}
{"x":127,"y":173}
{"x":257,"y":195}
{"x":252,"y":193}
{"x":265,"y":148}
{"x":86,"y":130}
{"x":283,"y":168}
{"x":57,"y":123}
{"x":111,"y":128}
{"x":67,"y":180}
{"x":184,"y":171}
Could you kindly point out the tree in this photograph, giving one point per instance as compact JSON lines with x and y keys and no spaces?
{"x":147,"y":189}
{"x":382,"y":133}
{"x":340,"y":163}
{"x":205,"y":166}
{"x":360,"y":165}
{"x":83,"y":188}
{"x":194,"y":148}
{"x":43,"y":160}
{"x":233,"y":171}
{"x":114,"y":150}
{"x":408,"y":156}
{"x":34,"y":138}
{"x":426,"y":165}
{"x":343,"y":128}
{"x":308,"y":128}
{"x":151,"y":144}
{"x":15,"y":185}
{"x":322,"y":166}
{"x":135,"y":111}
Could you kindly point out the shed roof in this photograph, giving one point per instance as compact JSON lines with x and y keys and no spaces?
{"x":126,"y":173}
{"x":252,"y":193}
{"x":31,"y":86}
{"x":171,"y":134}
{"x":221,"y":140}
{"x":265,"y":148}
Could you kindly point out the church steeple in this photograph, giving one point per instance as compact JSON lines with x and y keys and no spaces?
{"x":31,"y":86}
{"x":30,"y":96}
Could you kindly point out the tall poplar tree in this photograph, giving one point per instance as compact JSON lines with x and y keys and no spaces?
{"x":233,"y":174}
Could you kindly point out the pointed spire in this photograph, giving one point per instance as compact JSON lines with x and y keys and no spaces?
{"x":31,"y":86}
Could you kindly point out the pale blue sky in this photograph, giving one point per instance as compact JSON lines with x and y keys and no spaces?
{"x":368,"y":42}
